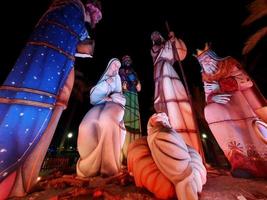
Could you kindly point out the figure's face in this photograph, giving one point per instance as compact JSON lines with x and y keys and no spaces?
{"x":127,"y":62}
{"x":156,"y":38}
{"x":208,"y":64}
{"x":114,"y":68}
{"x":92,"y":15}
{"x":160,"y":118}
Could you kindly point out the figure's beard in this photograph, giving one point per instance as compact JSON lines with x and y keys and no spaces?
{"x":127,"y":64}
{"x":158,"y":42}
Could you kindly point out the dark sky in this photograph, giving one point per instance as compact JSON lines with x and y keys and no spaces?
{"x":125,"y":29}
{"x":127,"y":25}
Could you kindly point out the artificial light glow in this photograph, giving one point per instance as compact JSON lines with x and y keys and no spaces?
{"x":204,"y":136}
{"x":70,"y":135}
{"x":39,"y":178}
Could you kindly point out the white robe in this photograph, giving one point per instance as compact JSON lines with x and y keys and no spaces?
{"x":170,"y":95}
{"x":102,"y":132}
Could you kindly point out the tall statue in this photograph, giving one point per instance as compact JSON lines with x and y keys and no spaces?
{"x":102,"y":132}
{"x":131,"y":86}
{"x":170,"y":95}
{"x":37,"y":90}
{"x":235,"y":112}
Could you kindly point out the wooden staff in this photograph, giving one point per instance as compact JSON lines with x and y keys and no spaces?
{"x":176,"y":55}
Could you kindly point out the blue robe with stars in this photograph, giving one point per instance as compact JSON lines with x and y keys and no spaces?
{"x":29,"y":94}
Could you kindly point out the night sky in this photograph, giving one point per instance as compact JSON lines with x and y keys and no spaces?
{"x":125,"y":29}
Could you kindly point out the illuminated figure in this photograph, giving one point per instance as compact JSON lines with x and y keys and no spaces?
{"x":131,"y":86}
{"x":102,"y":132}
{"x":235,"y":112}
{"x":170,"y":95}
{"x":179,"y":162}
{"x":164,"y":164}
{"x":36,"y":92}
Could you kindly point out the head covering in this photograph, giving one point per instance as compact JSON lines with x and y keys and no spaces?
{"x":126,"y":60}
{"x":155,"y":35}
{"x":105,"y":75}
{"x":159,"y":119}
{"x":104,"y":89}
{"x":96,"y":3}
{"x":93,"y":7}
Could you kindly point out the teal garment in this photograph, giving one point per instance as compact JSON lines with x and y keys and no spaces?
{"x":132,"y":115}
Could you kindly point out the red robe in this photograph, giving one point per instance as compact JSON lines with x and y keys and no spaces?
{"x":235,"y":124}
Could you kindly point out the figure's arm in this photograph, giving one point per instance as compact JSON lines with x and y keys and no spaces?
{"x":123,"y":79}
{"x":237,"y":78}
{"x":100,"y":93}
{"x":85,"y":48}
{"x":138,"y":86}
{"x":178,"y":45}
{"x":242,"y":80}
{"x":219,"y":92}
{"x":213,"y":93}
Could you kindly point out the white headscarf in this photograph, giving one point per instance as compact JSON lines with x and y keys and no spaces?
{"x":103,"y":90}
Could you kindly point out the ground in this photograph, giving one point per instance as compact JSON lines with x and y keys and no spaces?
{"x":220,"y":186}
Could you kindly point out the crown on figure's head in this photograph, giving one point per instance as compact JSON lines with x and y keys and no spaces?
{"x":206,"y":52}
{"x":200,"y":52}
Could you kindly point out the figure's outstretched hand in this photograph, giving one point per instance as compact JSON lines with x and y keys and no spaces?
{"x":211,"y":87}
{"x":138,"y":87}
{"x":221,"y":98}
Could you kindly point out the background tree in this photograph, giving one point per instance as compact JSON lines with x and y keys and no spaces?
{"x":255,"y":47}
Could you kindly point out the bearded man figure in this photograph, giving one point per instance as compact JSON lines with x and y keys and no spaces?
{"x":170,"y":95}
{"x":235,"y":112}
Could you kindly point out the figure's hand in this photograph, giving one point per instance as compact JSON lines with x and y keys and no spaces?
{"x":108,"y":99}
{"x":118,"y":98}
{"x":109,"y":80}
{"x":171,"y":36}
{"x":124,"y":85}
{"x":86,"y":47}
{"x":211,"y":87}
{"x":138,"y":87}
{"x":221,"y":98}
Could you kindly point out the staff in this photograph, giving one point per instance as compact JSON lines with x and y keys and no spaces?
{"x":177,"y":58}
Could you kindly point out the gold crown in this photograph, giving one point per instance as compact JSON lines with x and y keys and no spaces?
{"x":199,"y":51}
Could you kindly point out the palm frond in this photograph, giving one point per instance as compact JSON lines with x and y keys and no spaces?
{"x":253,"y":40}
{"x":257,"y":9}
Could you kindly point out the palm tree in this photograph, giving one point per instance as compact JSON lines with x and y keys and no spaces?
{"x":255,"y":47}
{"x":257,"y":10}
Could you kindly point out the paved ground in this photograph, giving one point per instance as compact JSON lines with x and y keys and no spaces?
{"x":220,"y":186}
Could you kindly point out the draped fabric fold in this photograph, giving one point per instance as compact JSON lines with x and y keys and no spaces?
{"x":102,"y":131}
